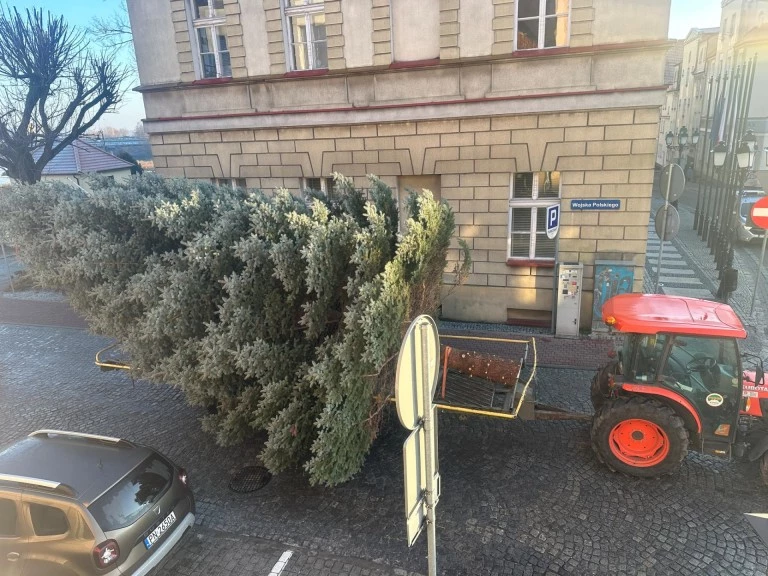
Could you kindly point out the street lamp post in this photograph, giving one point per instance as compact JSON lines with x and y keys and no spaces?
{"x":741,"y":161}
{"x":682,"y":144}
{"x":719,"y":155}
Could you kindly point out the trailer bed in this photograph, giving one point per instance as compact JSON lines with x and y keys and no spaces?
{"x":469,"y":393}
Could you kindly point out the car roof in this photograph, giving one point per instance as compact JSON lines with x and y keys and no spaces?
{"x":86,"y":465}
{"x":655,"y":313}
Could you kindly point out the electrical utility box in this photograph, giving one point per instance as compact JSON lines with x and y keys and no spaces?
{"x":569,"y":283}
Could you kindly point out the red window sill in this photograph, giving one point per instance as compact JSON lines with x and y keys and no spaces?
{"x":530,"y":263}
{"x":306,"y":73}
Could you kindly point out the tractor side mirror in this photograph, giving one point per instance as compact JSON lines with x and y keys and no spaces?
{"x":760,"y":375}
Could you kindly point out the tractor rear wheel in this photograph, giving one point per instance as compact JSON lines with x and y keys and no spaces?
{"x":764,"y":468}
{"x":639,"y":436}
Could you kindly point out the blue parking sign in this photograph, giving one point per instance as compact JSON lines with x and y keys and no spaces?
{"x":553,"y":221}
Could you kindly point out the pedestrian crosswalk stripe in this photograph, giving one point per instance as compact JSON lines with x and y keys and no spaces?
{"x":672,"y":271}
{"x":683,"y":281}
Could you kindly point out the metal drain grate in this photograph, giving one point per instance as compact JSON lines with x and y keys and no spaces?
{"x":249,"y":479}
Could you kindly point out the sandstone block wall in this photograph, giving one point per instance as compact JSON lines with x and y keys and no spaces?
{"x":600,"y":154}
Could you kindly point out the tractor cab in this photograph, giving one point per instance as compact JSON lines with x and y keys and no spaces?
{"x":703,"y":370}
{"x":678,"y":384}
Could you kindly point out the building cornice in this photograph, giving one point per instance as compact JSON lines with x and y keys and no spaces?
{"x":395,"y":67}
{"x":539,"y":103}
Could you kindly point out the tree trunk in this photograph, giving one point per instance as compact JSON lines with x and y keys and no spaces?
{"x":493,"y":368}
{"x":24,"y":170}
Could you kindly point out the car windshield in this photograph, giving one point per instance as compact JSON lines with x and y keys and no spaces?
{"x":129,"y":499}
{"x":746,"y":207}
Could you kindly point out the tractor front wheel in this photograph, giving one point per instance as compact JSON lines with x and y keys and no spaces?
{"x":639,"y":436}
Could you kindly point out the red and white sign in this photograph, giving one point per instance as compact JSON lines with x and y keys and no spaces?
{"x":760,"y":213}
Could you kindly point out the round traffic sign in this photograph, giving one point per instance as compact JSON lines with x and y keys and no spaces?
{"x":676,"y":184}
{"x":673,"y":222}
{"x":760,"y":213}
{"x":417,"y":362}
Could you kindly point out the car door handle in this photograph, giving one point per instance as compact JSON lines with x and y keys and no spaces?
{"x":13,"y":556}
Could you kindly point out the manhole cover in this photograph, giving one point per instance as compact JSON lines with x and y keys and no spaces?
{"x":249,"y":479}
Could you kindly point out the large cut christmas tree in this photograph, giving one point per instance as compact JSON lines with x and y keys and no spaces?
{"x":280,"y":313}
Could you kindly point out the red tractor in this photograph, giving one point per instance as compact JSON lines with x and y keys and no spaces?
{"x":679,"y":383}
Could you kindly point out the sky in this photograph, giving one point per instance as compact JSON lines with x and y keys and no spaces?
{"x":686,"y":14}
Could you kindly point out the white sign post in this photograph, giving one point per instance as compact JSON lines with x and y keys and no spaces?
{"x":415,"y":385}
{"x":672,"y":186}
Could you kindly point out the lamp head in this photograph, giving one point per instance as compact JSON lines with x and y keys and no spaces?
{"x":719,"y":152}
{"x":743,"y":155}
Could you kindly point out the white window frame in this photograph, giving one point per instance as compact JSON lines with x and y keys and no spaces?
{"x":307,"y":10}
{"x":542,"y":18}
{"x":230,"y":182}
{"x":212,"y":22}
{"x":324,"y":183}
{"x":534,"y":203}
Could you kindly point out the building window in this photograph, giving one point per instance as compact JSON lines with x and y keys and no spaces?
{"x":530,"y":195}
{"x":230,"y":182}
{"x":306,"y":44}
{"x":324,"y":185}
{"x":541,"y":24}
{"x":210,"y":31}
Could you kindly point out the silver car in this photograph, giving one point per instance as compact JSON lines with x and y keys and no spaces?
{"x":76,"y":504}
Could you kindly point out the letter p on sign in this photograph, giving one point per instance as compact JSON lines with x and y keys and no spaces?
{"x":553,"y":221}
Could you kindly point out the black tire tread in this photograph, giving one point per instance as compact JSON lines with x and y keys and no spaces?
{"x":596,"y":394}
{"x":641,"y":407}
{"x":764,"y":468}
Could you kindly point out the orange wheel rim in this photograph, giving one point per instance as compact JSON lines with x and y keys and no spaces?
{"x":639,"y":443}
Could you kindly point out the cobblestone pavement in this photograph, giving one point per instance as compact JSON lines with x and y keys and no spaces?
{"x":518,"y":497}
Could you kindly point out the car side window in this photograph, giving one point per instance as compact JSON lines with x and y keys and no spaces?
{"x":7,"y":518}
{"x":48,"y":521}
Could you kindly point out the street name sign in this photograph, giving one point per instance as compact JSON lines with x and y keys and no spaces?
{"x":596,"y":204}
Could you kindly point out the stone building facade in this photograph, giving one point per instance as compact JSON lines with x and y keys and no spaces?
{"x":502,"y":108}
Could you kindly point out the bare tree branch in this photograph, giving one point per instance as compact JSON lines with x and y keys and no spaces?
{"x":52,"y":89}
{"x":114,"y":34}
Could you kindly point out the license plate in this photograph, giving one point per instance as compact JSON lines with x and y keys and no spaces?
{"x":150,"y":540}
